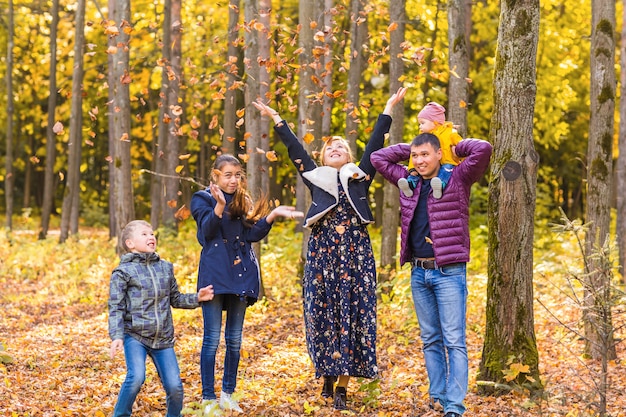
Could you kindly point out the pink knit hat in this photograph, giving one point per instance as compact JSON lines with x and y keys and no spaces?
{"x":433,"y":112}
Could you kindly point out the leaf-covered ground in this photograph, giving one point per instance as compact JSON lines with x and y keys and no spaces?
{"x":53,"y":327}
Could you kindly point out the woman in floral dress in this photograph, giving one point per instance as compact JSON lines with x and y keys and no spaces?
{"x":339,"y":283}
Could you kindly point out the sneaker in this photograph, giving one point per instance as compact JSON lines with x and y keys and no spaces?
{"x":452,"y":414}
{"x":403,"y":185}
{"x":211,"y":408}
{"x":227,"y":402}
{"x":437,"y":186}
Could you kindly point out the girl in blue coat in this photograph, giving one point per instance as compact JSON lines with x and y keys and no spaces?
{"x":339,"y":282}
{"x":228,"y":224}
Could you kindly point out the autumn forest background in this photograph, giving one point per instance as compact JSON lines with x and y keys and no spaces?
{"x":115,"y":111}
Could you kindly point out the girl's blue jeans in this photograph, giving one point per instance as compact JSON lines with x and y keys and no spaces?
{"x":235,"y":309}
{"x":166,"y":365}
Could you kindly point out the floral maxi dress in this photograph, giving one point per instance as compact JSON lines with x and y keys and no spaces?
{"x":339,"y":291}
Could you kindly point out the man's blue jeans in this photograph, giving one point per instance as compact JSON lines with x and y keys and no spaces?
{"x":166,"y":365}
{"x":235,"y":309}
{"x":440,"y":298}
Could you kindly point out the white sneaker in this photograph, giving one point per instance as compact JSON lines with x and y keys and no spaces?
{"x":437,"y":186}
{"x":211,"y":408}
{"x":403,"y":185}
{"x":227,"y":402}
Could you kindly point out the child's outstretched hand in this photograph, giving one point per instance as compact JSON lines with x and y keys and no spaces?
{"x":205,"y":294}
{"x":288,"y":212}
{"x":116,"y":345}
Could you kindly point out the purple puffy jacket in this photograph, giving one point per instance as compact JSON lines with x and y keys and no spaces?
{"x":449,"y":215}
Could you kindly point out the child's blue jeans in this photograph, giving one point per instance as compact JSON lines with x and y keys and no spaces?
{"x":166,"y":365}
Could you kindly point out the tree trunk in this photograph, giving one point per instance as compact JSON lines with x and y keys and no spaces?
{"x":265,"y":8}
{"x":157,"y":191}
{"x":509,"y":329}
{"x":71,"y":200}
{"x":309,"y":108}
{"x":8,"y":161}
{"x":174,"y":110}
{"x":51,"y":148}
{"x":358,"y":36}
{"x":391,"y":211}
{"x":458,"y":57}
{"x":119,"y":112}
{"x":598,"y":329}
{"x":234,"y":96}
{"x":328,"y":99}
{"x":256,"y":168}
{"x":433,"y":45}
{"x":621,"y":159}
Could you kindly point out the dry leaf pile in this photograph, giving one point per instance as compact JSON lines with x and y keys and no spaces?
{"x":55,"y":361}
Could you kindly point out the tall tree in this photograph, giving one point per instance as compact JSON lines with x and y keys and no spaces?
{"x":327,"y":81}
{"x":358,"y":37}
{"x":234,"y":70}
{"x":391,"y":213}
{"x":71,"y":200}
{"x":509,"y":329}
{"x":621,"y":158}
{"x":263,"y":40}
{"x":157,"y":189}
{"x":8,"y":161}
{"x":309,"y":107}
{"x":256,"y":168}
{"x":119,"y":111}
{"x":175,"y":113}
{"x":49,"y":185}
{"x":598,"y":330}
{"x":458,"y":58}
{"x":252,"y":92}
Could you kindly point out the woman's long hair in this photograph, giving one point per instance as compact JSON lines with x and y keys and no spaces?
{"x":242,"y":204}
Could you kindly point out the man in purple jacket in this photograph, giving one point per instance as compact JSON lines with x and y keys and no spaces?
{"x":435,"y":240}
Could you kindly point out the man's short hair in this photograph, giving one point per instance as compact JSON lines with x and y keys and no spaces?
{"x":424,"y":138}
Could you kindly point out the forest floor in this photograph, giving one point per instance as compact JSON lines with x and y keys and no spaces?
{"x":53,"y":329}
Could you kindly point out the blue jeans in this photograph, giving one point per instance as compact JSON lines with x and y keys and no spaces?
{"x":166,"y":365}
{"x":440,"y":297}
{"x":212,"y":313}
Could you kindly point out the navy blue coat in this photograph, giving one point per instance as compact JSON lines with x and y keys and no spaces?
{"x":322,"y":181}
{"x":227,"y":260}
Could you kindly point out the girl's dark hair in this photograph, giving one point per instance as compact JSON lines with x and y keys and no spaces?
{"x":424,"y":138}
{"x":242,"y":204}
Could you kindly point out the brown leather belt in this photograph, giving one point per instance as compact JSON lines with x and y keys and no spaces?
{"x":424,"y":263}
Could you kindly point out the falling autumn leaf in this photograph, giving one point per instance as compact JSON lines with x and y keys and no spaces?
{"x":172,"y":203}
{"x":194,"y":123}
{"x":213,"y":123}
{"x":308,"y":138}
{"x":271,"y":156}
{"x":183,"y":213}
{"x":58,"y":128}
{"x":392,"y":27}
{"x":244,"y":157}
